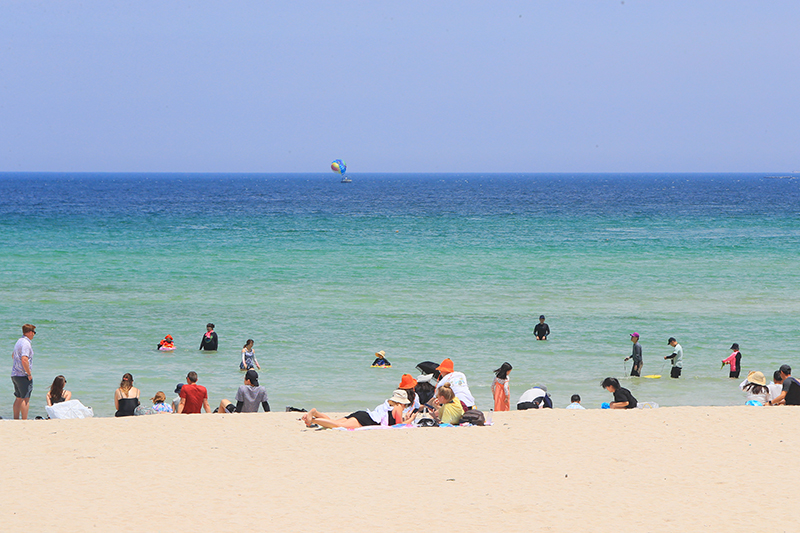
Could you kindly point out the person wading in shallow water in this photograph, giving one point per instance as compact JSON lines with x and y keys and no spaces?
{"x":636,"y":355}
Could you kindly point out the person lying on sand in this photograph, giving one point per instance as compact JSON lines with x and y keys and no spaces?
{"x":388,"y":413}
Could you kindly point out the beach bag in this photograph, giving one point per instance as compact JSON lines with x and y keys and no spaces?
{"x":427,"y":421}
{"x":474,"y":417}
{"x":69,"y":409}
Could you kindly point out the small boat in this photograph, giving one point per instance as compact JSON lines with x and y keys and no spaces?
{"x":345,"y":179}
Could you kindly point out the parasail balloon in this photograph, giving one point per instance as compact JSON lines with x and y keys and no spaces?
{"x":339,"y":166}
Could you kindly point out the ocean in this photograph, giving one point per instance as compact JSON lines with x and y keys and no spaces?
{"x":424,"y":266}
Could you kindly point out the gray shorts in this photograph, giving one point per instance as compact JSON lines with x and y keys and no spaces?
{"x":23,"y":387}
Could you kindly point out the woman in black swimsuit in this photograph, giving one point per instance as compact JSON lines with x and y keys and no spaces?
{"x":57,"y":393}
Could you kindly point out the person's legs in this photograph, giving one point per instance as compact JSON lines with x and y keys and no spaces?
{"x":23,"y":387}
{"x":675,"y":373}
{"x":223,"y":406}
{"x":348,"y":423}
{"x":309,"y":417}
{"x":636,"y":370}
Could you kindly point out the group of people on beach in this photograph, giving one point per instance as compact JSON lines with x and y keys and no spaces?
{"x":439,"y":395}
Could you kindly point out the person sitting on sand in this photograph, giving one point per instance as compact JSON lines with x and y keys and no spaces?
{"x":457,"y":381}
{"x":756,"y":388}
{"x":177,"y":401}
{"x":790,"y":389}
{"x":194,"y":397}
{"x":389,"y":413}
{"x":450,"y":409}
{"x":380,"y":360}
{"x":576,"y":402}
{"x":249,"y":357}
{"x":623,"y":399}
{"x":500,"y":388}
{"x":126,"y":397}
{"x":409,"y":385}
{"x":158,"y":403}
{"x":248,"y":397}
{"x":167,"y":344}
{"x":425,"y":389}
{"x":57,"y":392}
{"x":535,"y":398}
{"x":776,"y":387}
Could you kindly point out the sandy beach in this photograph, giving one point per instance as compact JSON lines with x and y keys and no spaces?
{"x":668,"y":469}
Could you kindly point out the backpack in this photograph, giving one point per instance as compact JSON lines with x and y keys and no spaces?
{"x":474,"y":417}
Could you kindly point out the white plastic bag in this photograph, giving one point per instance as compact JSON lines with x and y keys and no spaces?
{"x":69,"y":409}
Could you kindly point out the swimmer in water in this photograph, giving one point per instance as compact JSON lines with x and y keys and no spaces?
{"x":166,"y":344}
{"x":542,"y":330}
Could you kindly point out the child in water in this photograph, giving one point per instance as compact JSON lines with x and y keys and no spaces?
{"x":381,"y":360}
{"x":500,"y":388}
{"x":167,"y":344}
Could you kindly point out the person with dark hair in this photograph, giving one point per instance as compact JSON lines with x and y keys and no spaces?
{"x":576,"y":402}
{"x":756,"y":388}
{"x":790,"y":389}
{"x":424,"y":389}
{"x":126,"y":397}
{"x":248,"y":397}
{"x":194,"y":397}
{"x":249,"y":357}
{"x":22,"y":373}
{"x":541,"y":330}
{"x":388,"y":413}
{"x":623,"y":399}
{"x":381,"y":361}
{"x":676,"y":357}
{"x":535,"y":398}
{"x":636,"y":355}
{"x":409,"y":385}
{"x":57,"y":392}
{"x":776,"y":387}
{"x":734,"y":360}
{"x":210,"y":340}
{"x":429,"y":367}
{"x":501,"y":389}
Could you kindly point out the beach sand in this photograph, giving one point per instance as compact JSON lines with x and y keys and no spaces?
{"x":667,"y":469}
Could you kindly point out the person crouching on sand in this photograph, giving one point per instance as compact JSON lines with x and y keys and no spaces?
{"x":389,"y":413}
{"x":623,"y":399}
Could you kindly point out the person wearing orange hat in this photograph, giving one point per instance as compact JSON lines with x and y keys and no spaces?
{"x":409,"y":384}
{"x":457,"y":381}
{"x":167,"y":344}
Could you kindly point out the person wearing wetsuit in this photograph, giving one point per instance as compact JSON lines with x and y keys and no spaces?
{"x":210,"y":340}
{"x":636,"y":355}
{"x":735,"y":360}
{"x":542,"y":330}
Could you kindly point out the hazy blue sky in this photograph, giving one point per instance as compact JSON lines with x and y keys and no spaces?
{"x":550,"y":86}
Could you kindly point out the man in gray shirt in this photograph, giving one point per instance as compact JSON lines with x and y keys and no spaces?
{"x":248,"y":397}
{"x":677,"y":358}
{"x":21,"y":373}
{"x":636,"y":355}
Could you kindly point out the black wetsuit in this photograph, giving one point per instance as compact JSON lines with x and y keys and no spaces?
{"x":209,"y":344}
{"x":542,"y":330}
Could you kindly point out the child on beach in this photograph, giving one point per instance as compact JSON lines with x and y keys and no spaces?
{"x":500,"y":388}
{"x":249,"y":357}
{"x":158,"y":403}
{"x":755,"y":386}
{"x":735,"y":360}
{"x":576,"y":402}
{"x":623,"y":399}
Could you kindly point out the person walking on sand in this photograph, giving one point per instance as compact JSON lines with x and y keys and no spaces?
{"x":21,"y":373}
{"x":210,"y":341}
{"x":676,"y":357}
{"x":542,"y":330}
{"x":500,"y":388}
{"x":193,"y":396}
{"x":735,"y":360}
{"x":636,"y":355}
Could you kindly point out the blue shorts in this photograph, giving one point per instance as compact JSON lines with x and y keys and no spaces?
{"x":23,"y":387}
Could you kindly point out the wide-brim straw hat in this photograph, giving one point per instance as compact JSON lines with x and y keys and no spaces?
{"x":757,"y":378}
{"x":380,"y":354}
{"x":400,"y":396}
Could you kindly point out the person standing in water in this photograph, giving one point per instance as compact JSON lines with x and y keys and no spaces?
{"x":735,"y":360}
{"x":249,"y":357}
{"x":542,"y":330}
{"x":636,"y":355}
{"x":676,"y":357}
{"x":210,"y":341}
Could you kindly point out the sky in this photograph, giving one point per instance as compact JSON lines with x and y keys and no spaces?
{"x":444,"y":86}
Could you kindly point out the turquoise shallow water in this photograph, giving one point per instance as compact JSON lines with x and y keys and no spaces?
{"x":323,"y":274}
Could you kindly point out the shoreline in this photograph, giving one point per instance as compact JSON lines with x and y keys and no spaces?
{"x":656,"y":470}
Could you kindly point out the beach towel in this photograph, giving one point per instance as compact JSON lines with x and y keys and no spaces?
{"x":69,"y":409}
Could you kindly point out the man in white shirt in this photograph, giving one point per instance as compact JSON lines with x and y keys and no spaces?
{"x":677,"y":358}
{"x":457,"y":381}
{"x":21,"y":374}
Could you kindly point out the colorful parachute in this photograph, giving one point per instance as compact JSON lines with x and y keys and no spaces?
{"x":339,"y":166}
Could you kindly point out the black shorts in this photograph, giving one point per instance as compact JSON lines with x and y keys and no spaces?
{"x":675,"y":372}
{"x":363,"y":418}
{"x":23,"y":387}
{"x":527,"y":405}
{"x":230,"y":408}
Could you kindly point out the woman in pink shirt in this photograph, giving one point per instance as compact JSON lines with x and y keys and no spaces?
{"x":735,"y":360}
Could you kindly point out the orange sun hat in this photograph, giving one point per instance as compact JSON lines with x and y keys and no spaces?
{"x":447,"y":365}
{"x":407,"y":382}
